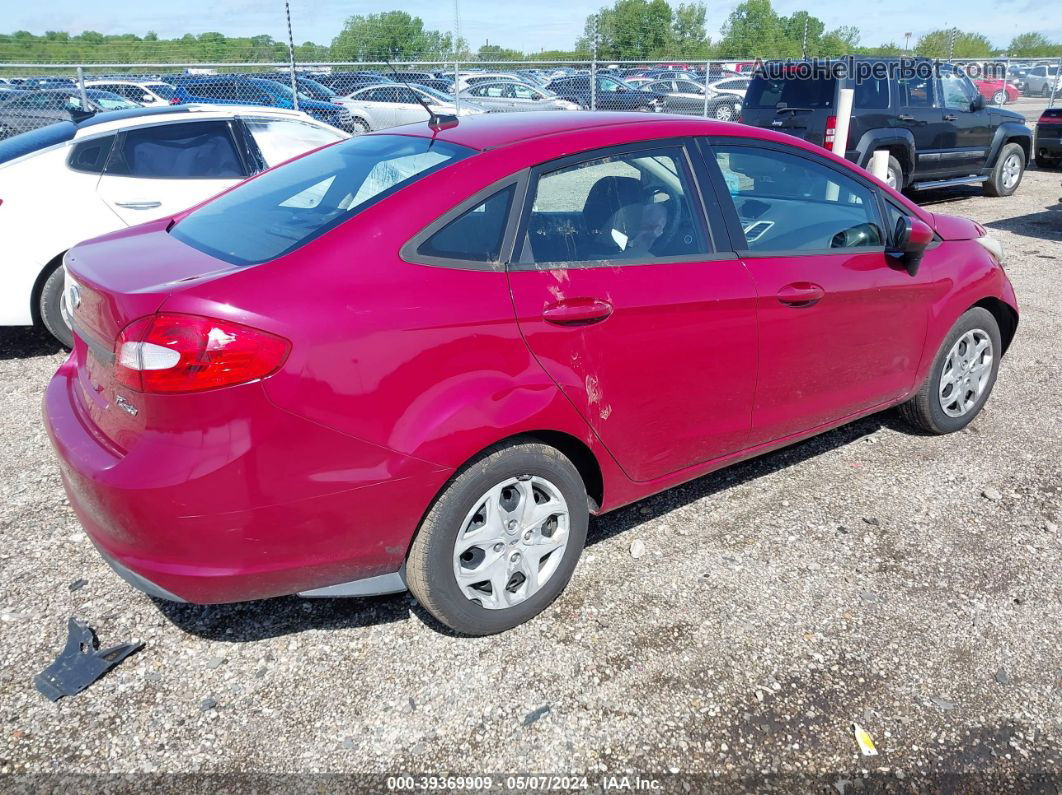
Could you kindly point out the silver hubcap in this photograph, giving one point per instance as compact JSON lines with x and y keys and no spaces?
{"x":724,"y":113}
{"x":511,"y":542}
{"x":1011,"y":171}
{"x":890,"y":178}
{"x":966,"y":372}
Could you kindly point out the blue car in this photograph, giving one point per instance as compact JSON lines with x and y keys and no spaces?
{"x":238,"y":90}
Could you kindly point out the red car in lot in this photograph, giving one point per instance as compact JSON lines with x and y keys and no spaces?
{"x":997,"y":92}
{"x":423,"y":358}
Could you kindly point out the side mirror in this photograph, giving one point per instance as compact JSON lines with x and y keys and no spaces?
{"x":910,"y":239}
{"x":978,"y":103}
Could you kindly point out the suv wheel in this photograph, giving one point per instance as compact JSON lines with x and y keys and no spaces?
{"x":964,"y":372}
{"x":894,"y":176}
{"x":501,"y":541}
{"x":1006,"y":176}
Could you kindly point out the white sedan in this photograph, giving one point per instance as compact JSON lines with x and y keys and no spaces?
{"x":378,"y":107}
{"x":68,"y":182}
{"x":149,"y":93}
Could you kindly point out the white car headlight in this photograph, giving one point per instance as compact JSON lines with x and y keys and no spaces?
{"x":993,"y":245}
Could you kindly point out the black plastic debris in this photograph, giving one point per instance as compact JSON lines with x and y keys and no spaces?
{"x":77,"y":585}
{"x":81,"y":663}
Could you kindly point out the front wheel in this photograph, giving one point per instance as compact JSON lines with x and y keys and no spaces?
{"x":964,"y":372}
{"x":999,"y":98}
{"x":501,"y":541}
{"x":1006,"y":176}
{"x":724,"y":112}
{"x":360,"y":127}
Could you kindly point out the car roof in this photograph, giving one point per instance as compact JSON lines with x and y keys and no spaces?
{"x":494,"y":130}
{"x":119,"y":118}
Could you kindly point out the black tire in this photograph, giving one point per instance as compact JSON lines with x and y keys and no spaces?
{"x":359,"y":126}
{"x":5,"y":132}
{"x":995,"y":185}
{"x":999,"y":98}
{"x":50,"y":308}
{"x":430,"y":564}
{"x":896,"y":173}
{"x":924,"y":411}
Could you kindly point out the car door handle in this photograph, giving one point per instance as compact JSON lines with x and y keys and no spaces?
{"x":950,"y":117}
{"x":801,"y":294}
{"x":139,"y":205}
{"x":577,"y":311}
{"x":905,"y":117}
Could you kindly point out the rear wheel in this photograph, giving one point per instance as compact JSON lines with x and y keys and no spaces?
{"x":1006,"y":176}
{"x":894,"y":176}
{"x":501,"y":541}
{"x":50,"y":307}
{"x":999,"y":98}
{"x":724,"y":112}
{"x":964,"y":372}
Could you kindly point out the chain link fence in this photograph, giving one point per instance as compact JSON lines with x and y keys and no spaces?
{"x":359,"y":97}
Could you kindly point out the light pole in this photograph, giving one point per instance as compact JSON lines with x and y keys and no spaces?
{"x":906,"y":42}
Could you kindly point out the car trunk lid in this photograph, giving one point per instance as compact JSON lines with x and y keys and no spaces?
{"x":112,"y":281}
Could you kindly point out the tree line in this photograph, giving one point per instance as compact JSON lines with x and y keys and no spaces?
{"x":626,"y":30}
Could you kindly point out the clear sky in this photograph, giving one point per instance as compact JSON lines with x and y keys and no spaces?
{"x":529,"y":26}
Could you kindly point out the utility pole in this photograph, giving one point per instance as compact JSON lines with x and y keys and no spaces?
{"x":951,"y":43}
{"x":804,"y":47}
{"x":291,"y":59}
{"x":906,"y":42}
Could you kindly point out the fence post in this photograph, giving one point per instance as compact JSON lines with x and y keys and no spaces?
{"x":707,"y":70}
{"x":1054,"y":83}
{"x":593,"y":67}
{"x":457,"y":92}
{"x":81,"y":87}
{"x":291,"y":59}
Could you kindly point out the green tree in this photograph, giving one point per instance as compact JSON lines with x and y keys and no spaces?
{"x":689,"y":38}
{"x":1032,"y":45}
{"x":754,"y":29}
{"x":494,"y":52}
{"x":954,"y":43}
{"x":391,"y":35}
{"x":631,"y":29}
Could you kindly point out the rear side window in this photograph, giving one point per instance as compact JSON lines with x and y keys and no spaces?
{"x":91,"y":156}
{"x":916,"y":92}
{"x":872,"y":94}
{"x":284,"y":209}
{"x":475,"y":235}
{"x":815,"y":93}
{"x":193,"y":150}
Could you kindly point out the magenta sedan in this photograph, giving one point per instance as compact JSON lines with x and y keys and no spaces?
{"x":422,"y":359}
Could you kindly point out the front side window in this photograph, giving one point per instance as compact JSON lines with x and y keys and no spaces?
{"x":283,"y":139}
{"x":638,"y":206}
{"x":475,"y":235}
{"x":956,"y":91}
{"x":286,"y":208}
{"x":188,"y":150}
{"x":787,"y":203}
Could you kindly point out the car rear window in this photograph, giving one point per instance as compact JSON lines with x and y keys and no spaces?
{"x":796,"y":92}
{"x":286,"y":208}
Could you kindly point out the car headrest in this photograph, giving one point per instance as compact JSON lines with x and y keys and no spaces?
{"x":607,"y":196}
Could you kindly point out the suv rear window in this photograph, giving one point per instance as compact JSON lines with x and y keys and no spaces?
{"x":815,"y":93}
{"x":286,"y":208}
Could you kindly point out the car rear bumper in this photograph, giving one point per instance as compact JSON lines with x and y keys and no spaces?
{"x":187,"y":519}
{"x":1048,"y":141}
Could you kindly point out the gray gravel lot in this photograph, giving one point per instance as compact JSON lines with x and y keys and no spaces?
{"x":862,"y":577}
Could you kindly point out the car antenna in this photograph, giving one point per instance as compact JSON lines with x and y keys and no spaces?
{"x":435,"y":121}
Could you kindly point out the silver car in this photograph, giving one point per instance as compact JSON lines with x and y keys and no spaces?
{"x":505,"y":95}
{"x":378,"y":107}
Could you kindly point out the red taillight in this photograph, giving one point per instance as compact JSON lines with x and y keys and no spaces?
{"x":831,"y":132}
{"x":175,"y":100}
{"x":189,"y":353}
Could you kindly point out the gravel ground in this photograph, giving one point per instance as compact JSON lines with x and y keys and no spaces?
{"x":909,"y":584}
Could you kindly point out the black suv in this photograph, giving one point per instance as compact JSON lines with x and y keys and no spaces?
{"x":612,"y":94}
{"x":928,"y":115}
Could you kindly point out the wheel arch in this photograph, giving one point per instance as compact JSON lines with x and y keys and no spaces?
{"x":899,"y":143}
{"x":1009,"y":133}
{"x":1005,"y":316}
